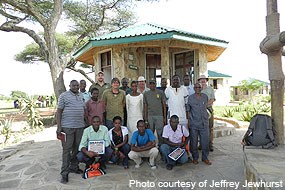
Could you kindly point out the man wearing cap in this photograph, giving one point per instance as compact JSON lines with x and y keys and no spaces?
{"x":155,"y":109}
{"x":208,"y":90}
{"x":115,"y":101}
{"x":142,"y":85}
{"x":100,"y":84}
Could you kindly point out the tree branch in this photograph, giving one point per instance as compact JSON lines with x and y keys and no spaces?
{"x":81,"y":72}
{"x":32,"y":10}
{"x":57,"y":12}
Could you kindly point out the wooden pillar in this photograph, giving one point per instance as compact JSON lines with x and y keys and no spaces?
{"x":202,"y":62}
{"x":165,"y":62}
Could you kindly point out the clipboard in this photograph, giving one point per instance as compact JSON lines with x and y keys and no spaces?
{"x":97,"y":146}
{"x":176,"y":154}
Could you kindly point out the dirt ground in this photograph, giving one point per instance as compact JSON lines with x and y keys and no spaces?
{"x":44,"y":112}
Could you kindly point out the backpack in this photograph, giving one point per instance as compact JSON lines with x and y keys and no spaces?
{"x":260,"y":133}
{"x":93,"y":170}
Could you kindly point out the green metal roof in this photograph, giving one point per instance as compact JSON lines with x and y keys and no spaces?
{"x":147,"y":32}
{"x":213,"y":74}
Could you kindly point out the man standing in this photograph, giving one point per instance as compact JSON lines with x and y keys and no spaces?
{"x":211,"y":98}
{"x":188,"y":85}
{"x":70,"y":121}
{"x":94,"y":132}
{"x":143,"y":145}
{"x":100,"y":84}
{"x":155,"y":109}
{"x":142,"y":85}
{"x":163,"y":84}
{"x":85,"y":94}
{"x":94,"y":106}
{"x":177,"y":96}
{"x":125,"y":87}
{"x":115,"y":101}
{"x":172,"y":138}
{"x":199,"y":124}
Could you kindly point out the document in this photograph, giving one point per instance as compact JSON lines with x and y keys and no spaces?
{"x":97,"y":146}
{"x":176,"y":154}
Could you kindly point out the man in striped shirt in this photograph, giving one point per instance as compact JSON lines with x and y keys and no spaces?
{"x":70,"y":122}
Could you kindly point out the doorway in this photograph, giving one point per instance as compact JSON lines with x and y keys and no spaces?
{"x":153,"y":67}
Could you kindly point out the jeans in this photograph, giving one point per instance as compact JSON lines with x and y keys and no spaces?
{"x":165,"y":149}
{"x":125,"y":150}
{"x":81,"y":157}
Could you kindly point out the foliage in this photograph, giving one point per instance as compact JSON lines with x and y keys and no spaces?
{"x":85,"y":19}
{"x":250,"y":85}
{"x":247,"y":115}
{"x":16,"y":94}
{"x":228,"y":113}
{"x":7,"y":128}
{"x":33,"y":116}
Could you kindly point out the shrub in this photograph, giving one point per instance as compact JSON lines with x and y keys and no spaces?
{"x":228,"y":113}
{"x":7,"y":128}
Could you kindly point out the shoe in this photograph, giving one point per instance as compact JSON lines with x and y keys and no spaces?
{"x":195,"y":162}
{"x":78,"y":171}
{"x":169,"y":166}
{"x":211,"y":149}
{"x":64,"y":179}
{"x":207,"y":162}
{"x":199,"y":147}
{"x":126,"y":167}
{"x":153,"y":167}
{"x":139,"y":165}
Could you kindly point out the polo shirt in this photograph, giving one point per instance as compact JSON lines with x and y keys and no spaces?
{"x":115,"y":103}
{"x":73,"y":109}
{"x":139,"y":140}
{"x":154,"y":100}
{"x":90,"y":135}
{"x":175,"y":136}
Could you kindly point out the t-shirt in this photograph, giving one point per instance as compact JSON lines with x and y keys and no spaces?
{"x":154,"y":100}
{"x":139,"y":140}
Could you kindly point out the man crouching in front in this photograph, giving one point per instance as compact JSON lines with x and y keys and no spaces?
{"x":95,"y":132}
{"x":143,"y":145}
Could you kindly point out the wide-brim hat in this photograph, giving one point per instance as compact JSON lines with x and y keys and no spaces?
{"x":141,"y":78}
{"x":203,"y":77}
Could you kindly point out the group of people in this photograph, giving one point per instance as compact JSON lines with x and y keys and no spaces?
{"x":135,"y":122}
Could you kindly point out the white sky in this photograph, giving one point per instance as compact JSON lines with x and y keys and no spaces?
{"x":240,"y":22}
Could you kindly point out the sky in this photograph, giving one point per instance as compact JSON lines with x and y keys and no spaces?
{"x":240,"y":22}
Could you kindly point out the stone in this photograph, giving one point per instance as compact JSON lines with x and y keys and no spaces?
{"x":36,"y":168}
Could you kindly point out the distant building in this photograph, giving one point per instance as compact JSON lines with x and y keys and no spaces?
{"x":220,"y":84}
{"x":239,"y":94}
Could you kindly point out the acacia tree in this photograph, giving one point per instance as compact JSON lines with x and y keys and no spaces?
{"x":88,"y":18}
{"x":251,"y":86}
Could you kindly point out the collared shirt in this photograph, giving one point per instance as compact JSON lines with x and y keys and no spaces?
{"x":139,"y":140}
{"x":100,"y":88}
{"x":124,"y":130}
{"x":210,"y":93}
{"x":73,"y":109}
{"x":94,"y":108}
{"x":197,"y":107}
{"x":190,"y":89}
{"x":145,"y":90}
{"x":154,"y":100}
{"x":176,"y":100}
{"x":115,"y":103}
{"x":175,"y":136}
{"x":90,"y":135}
{"x":86,"y":96}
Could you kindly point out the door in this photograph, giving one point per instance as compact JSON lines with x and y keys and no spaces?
{"x":153,"y":67}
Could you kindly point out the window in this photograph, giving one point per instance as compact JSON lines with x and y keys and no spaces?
{"x":184,"y":63}
{"x":215,"y":84}
{"x":236,"y":91}
{"x":105,"y":59}
{"x":245,"y":92}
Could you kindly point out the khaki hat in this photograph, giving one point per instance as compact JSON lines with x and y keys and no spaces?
{"x":100,"y":72}
{"x":203,"y":77}
{"x":141,"y":78}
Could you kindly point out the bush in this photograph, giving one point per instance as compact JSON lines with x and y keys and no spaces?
{"x":228,"y":113}
{"x":7,"y":129}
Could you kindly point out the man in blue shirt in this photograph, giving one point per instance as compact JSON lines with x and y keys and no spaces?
{"x":143,"y":145}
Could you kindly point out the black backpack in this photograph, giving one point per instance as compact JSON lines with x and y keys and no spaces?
{"x":260,"y":133}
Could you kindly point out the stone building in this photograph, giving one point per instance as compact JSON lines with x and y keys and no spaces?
{"x":152,"y":51}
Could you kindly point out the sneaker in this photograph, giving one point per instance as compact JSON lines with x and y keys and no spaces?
{"x":138,"y":165}
{"x":153,"y":167}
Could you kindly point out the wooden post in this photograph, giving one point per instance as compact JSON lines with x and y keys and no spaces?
{"x":272,"y":46}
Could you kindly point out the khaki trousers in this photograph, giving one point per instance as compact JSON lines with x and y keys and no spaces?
{"x":137,"y":156}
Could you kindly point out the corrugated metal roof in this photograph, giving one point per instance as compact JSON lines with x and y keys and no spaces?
{"x":151,"y":29}
{"x":214,"y":74}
